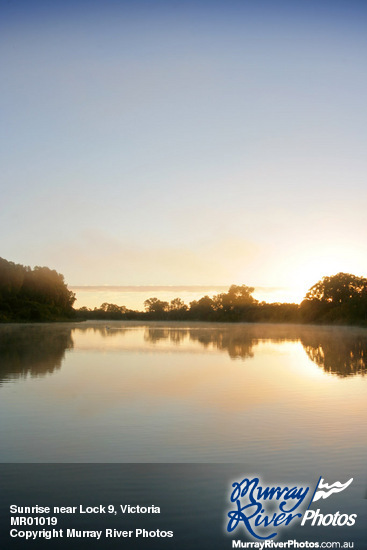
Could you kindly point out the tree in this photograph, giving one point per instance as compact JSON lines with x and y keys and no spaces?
{"x":177,"y":310}
{"x":48,"y":286}
{"x":37,"y":294}
{"x":11,"y":277}
{"x":236,"y":304}
{"x":340,"y":298}
{"x":236,"y":297}
{"x":155,"y":307}
{"x":113,"y":308}
{"x":113,"y":311}
{"x":338,"y":289}
{"x":202,"y":309}
{"x":177,"y":304}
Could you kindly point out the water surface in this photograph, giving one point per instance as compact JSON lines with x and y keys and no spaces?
{"x":171,"y":392}
{"x":286,"y":403}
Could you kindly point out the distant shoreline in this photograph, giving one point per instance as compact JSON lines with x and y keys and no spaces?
{"x":41,"y":294}
{"x":182,"y":323}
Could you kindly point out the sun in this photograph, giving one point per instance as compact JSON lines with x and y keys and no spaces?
{"x":304,"y":271}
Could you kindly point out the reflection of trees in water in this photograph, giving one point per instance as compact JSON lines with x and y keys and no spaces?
{"x":40,"y":349}
{"x":238,"y":344}
{"x":337,"y":351}
{"x":107,"y":331}
{"x":237,"y":340}
{"x":32,"y":349}
{"x":340,"y":351}
{"x":174,"y":335}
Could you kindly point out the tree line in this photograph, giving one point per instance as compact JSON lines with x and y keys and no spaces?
{"x":38,"y":294}
{"x":41,"y":294}
{"x":339,"y":299}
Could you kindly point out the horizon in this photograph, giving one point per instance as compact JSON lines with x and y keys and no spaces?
{"x":133,"y":296}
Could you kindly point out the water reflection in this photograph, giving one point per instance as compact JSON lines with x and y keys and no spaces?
{"x":174,"y":335}
{"x":40,"y":349}
{"x":343,"y":354}
{"x":339,"y":351}
{"x":34,"y":350}
{"x":158,"y":392}
{"x":105,"y":330}
{"x":237,"y":340}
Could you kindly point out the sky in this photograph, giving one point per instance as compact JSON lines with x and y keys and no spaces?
{"x":185,"y":143}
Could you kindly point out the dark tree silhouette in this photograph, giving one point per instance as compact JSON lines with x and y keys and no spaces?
{"x":202,"y":309}
{"x":156,"y":307}
{"x":177,"y":304}
{"x":336,"y":299}
{"x":236,"y":304}
{"x":33,"y":295}
{"x":177,"y":310}
{"x":338,"y":289}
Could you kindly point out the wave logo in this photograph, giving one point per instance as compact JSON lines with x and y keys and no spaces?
{"x":324,"y":490}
